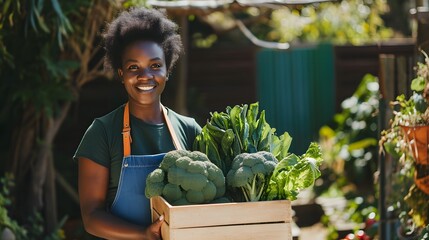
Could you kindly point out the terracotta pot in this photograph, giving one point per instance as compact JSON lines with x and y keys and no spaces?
{"x":418,"y":140}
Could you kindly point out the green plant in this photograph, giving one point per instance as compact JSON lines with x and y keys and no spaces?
{"x":349,"y":148}
{"x":240,"y":129}
{"x":418,"y":207}
{"x":43,"y":66}
{"x":349,"y":145}
{"x":407,"y":226}
{"x":348,"y":21}
{"x":5,"y":201}
{"x":243,"y":129}
{"x":402,"y":143}
{"x":33,"y":229}
{"x":411,"y":111}
{"x":294,"y":173}
{"x":424,"y":235}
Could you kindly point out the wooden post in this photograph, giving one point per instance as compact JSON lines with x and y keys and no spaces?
{"x":395,"y":74}
{"x":387,"y":89}
{"x":421,"y":13}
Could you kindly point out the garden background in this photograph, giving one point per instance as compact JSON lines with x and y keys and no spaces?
{"x":306,"y":63}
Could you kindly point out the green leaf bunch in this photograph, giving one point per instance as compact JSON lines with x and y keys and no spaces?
{"x":295,"y":173}
{"x":240,"y":129}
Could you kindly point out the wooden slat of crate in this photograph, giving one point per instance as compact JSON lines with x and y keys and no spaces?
{"x":271,"y":231}
{"x":223,"y":214}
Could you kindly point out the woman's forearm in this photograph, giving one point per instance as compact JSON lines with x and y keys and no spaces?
{"x":103,"y":224}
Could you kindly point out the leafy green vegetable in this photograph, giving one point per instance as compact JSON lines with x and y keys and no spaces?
{"x":240,"y":129}
{"x":239,"y":141}
{"x":294,"y":173}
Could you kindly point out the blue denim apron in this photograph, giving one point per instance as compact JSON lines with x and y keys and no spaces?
{"x":130,"y":201}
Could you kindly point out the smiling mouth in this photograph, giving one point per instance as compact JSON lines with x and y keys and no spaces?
{"x":146,"y":88}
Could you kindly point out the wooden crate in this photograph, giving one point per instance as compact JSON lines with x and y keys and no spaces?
{"x":270,"y":220}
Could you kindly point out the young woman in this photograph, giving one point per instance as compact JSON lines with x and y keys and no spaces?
{"x":121,"y":148}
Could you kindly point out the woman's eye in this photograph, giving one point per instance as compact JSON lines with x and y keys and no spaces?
{"x":156,"y":65}
{"x":132,"y":67}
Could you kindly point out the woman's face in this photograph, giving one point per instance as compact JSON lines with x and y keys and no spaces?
{"x":143,"y":72}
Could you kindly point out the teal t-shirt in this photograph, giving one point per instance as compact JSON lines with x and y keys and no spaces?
{"x":102,"y":141}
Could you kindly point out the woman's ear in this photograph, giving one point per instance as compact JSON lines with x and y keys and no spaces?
{"x":120,"y":75}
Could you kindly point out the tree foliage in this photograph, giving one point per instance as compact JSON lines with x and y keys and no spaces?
{"x":340,"y":22}
{"x":349,"y":21}
{"x":44,"y":63}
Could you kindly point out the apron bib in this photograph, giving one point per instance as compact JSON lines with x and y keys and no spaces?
{"x":130,"y":201}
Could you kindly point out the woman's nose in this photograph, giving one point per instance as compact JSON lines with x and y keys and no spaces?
{"x":145,"y":73}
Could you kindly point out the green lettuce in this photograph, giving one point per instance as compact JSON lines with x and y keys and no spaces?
{"x":294,"y":173}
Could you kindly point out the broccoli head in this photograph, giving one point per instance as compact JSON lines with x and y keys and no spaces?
{"x":172,"y":192}
{"x":155,"y":183}
{"x":185,"y":177}
{"x":171,"y":157}
{"x":251,"y":173}
{"x":215,"y":175}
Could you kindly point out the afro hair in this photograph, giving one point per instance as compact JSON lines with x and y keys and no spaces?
{"x":141,"y":24}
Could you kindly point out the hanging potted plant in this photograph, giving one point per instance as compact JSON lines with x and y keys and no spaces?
{"x":409,"y":131}
{"x":413,"y":118}
{"x":406,"y":140}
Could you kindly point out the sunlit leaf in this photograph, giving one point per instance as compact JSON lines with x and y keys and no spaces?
{"x":418,"y":84}
{"x":326,"y":132}
{"x":362,"y":144}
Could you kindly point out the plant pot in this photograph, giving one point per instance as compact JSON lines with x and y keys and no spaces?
{"x":418,"y":140}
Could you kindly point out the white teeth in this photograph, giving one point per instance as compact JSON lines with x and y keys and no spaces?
{"x":146,"y":88}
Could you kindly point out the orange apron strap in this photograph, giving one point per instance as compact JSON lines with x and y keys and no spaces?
{"x":171,"y":129}
{"x":126,"y":132}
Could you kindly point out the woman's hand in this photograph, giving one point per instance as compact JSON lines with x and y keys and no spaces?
{"x":154,"y":230}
